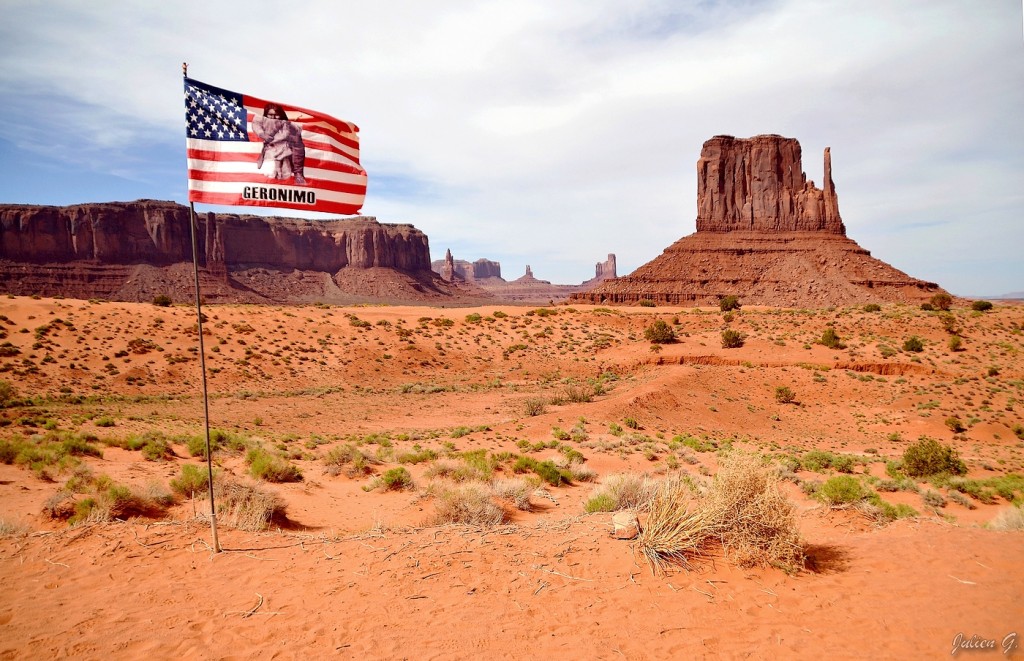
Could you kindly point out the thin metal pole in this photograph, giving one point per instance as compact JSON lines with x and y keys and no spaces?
{"x":202,"y":363}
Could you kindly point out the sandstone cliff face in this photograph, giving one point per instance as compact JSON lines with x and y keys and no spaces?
{"x":98,"y":250}
{"x":766,"y":234}
{"x":758,"y":184}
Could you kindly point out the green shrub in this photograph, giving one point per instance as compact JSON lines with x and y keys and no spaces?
{"x":192,"y":480}
{"x":546,"y":470}
{"x":8,"y":394}
{"x":730,"y":302}
{"x":601,"y":502}
{"x":872,"y":307}
{"x":817,"y":461}
{"x":956,"y":343}
{"x":659,"y":333}
{"x":831,"y":339}
{"x":929,"y":457}
{"x":631,"y":423}
{"x":942,"y":301}
{"x":270,"y":467}
{"x":162,"y":300}
{"x":981,"y":306}
{"x":646,"y":303}
{"x":841,"y":490}
{"x":156,"y":449}
{"x":784,"y":395}
{"x":732,"y":339}
{"x":955,"y":424}
{"x":396,"y":479}
{"x":913,"y":344}
{"x":105,"y":421}
{"x":474,"y":318}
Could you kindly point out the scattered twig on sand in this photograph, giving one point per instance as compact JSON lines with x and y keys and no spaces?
{"x":543,"y":584}
{"x":552,"y":571}
{"x":57,"y":563}
{"x":249,"y":613}
{"x":962,"y":581}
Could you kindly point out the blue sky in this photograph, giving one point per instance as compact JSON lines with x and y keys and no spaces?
{"x":553,"y":133}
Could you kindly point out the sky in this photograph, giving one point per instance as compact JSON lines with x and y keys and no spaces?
{"x":550,"y":133}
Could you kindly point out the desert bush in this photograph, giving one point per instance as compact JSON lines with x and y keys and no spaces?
{"x":872,"y":307}
{"x":622,"y":491}
{"x":515,"y":490}
{"x":830,"y":338}
{"x":981,"y":306}
{"x":933,"y":499}
{"x":646,"y":303}
{"x":192,"y":480}
{"x":469,"y":504}
{"x":545,"y":470}
{"x":732,"y":339}
{"x":350,"y":460}
{"x":659,"y":333}
{"x":631,"y":423}
{"x":393,"y":479}
{"x":913,"y":344}
{"x":1011,"y":518}
{"x":884,"y":512}
{"x":955,"y":424}
{"x":841,"y":490}
{"x":104,"y":421}
{"x":533,"y":406}
{"x":417,"y":456}
{"x":578,"y":393}
{"x":727,"y":303}
{"x":270,"y":467}
{"x":162,"y":300}
{"x":8,"y":394}
{"x":784,"y":395}
{"x":942,"y":301}
{"x":929,"y":457}
{"x":956,"y":343}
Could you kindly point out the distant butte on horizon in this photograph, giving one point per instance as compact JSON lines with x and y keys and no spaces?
{"x":766,"y":234}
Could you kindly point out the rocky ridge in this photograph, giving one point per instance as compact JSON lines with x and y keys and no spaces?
{"x":766,"y":234}
{"x":133,"y":251}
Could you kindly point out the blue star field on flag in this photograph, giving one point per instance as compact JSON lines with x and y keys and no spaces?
{"x":214,"y":114}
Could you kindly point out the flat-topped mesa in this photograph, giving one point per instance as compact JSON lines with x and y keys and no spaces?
{"x":758,"y":184}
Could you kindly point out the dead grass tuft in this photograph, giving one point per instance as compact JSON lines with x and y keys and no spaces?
{"x":468,"y":503}
{"x":1011,"y":518}
{"x":247,"y":506}
{"x":743,"y":512}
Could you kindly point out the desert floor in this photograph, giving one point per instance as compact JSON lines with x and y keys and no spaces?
{"x":102,"y":408}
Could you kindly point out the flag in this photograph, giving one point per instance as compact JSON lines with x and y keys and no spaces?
{"x":246,"y":151}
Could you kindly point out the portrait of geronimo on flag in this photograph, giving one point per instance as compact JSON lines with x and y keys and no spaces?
{"x":282,"y":144}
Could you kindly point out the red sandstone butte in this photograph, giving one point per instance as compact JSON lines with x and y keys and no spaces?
{"x":132,"y":251}
{"x":766,"y":234}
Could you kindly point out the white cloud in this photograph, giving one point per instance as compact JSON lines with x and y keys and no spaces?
{"x":554,"y":133}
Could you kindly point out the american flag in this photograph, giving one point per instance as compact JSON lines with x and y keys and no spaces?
{"x":242,"y":152}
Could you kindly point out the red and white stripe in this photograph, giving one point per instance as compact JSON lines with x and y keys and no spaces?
{"x":219,"y":171}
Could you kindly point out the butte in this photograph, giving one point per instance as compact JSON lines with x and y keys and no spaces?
{"x":766,"y":234}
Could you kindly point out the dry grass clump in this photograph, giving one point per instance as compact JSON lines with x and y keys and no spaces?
{"x":623,"y":491}
{"x":350,"y":460}
{"x":12,"y":528}
{"x":469,"y":504}
{"x":742,"y":512}
{"x":677,"y":527}
{"x":516,"y":490}
{"x":1011,"y":518}
{"x":759,"y":522}
{"x":247,"y":506}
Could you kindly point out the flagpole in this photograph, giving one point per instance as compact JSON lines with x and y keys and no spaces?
{"x":202,"y":361}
